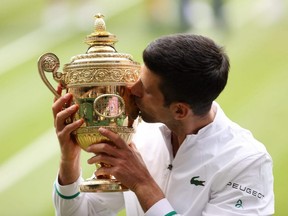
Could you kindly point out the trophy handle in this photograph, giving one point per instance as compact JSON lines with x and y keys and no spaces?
{"x":49,"y":62}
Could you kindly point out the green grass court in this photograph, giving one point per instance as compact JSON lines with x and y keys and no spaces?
{"x":256,"y":95}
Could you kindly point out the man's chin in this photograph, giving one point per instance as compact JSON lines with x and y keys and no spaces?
{"x":147,"y":119}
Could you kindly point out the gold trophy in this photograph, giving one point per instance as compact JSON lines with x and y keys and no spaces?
{"x":99,"y":81}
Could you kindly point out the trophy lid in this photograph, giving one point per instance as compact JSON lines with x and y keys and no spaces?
{"x":100,"y":36}
{"x":101,"y":64}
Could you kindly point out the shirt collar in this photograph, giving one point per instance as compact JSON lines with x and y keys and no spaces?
{"x":219,"y":122}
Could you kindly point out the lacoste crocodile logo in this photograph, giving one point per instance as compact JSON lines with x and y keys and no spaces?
{"x":194,"y":180}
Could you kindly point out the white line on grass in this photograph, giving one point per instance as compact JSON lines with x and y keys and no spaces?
{"x":29,"y":159}
{"x":28,"y":46}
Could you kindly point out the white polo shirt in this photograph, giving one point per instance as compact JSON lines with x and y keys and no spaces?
{"x":221,"y":170}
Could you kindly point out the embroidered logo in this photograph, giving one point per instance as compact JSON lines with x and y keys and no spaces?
{"x":194,"y":180}
{"x":239,"y":204}
{"x":245,"y":189}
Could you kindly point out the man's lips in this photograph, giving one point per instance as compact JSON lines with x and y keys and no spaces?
{"x":133,"y":108}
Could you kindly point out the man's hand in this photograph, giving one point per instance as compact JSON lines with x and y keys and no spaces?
{"x":70,"y":151}
{"x":127,"y":165}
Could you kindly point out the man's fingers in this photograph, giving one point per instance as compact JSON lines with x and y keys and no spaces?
{"x":59,"y":91}
{"x":103,"y":158}
{"x":115,"y":138}
{"x":103,"y":171}
{"x":61,"y":103}
{"x":104,"y":148}
{"x":67,"y":129}
{"x":60,"y":119}
{"x":133,"y":146}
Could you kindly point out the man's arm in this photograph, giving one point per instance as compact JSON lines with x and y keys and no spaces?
{"x":128,"y":167}
{"x":68,"y":201}
{"x":69,"y":170}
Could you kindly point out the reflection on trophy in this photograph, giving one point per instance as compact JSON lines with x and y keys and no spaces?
{"x":99,"y":81}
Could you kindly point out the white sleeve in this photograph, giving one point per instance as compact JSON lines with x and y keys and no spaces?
{"x":162,"y":207}
{"x":68,"y":201}
{"x":249,"y":192}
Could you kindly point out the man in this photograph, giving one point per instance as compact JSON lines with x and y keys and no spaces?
{"x":191,"y":161}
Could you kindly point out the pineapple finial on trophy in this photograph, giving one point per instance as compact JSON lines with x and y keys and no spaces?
{"x":99,"y":23}
{"x":100,"y":36}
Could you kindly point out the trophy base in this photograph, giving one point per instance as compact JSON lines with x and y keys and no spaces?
{"x":102,"y":185}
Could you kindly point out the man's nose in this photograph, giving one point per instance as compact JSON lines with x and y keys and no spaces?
{"x":135,"y":89}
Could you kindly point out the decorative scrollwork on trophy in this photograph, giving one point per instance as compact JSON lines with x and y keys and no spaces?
{"x":107,"y":75}
{"x":50,"y":62}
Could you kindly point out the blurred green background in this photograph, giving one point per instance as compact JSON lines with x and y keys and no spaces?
{"x":254,"y":34}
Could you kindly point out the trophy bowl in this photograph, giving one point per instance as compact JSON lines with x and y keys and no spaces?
{"x":100,"y":82}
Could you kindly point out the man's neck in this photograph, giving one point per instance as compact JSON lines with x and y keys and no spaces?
{"x":189,"y":126}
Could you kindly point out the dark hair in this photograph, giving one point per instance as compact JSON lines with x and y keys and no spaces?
{"x":192,"y":69}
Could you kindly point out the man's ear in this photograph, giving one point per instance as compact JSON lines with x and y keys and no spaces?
{"x":180,"y":110}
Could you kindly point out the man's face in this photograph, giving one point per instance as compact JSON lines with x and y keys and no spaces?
{"x":149,"y":98}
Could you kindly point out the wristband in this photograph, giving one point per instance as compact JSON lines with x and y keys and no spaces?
{"x":171,"y":213}
{"x":65,"y":197}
